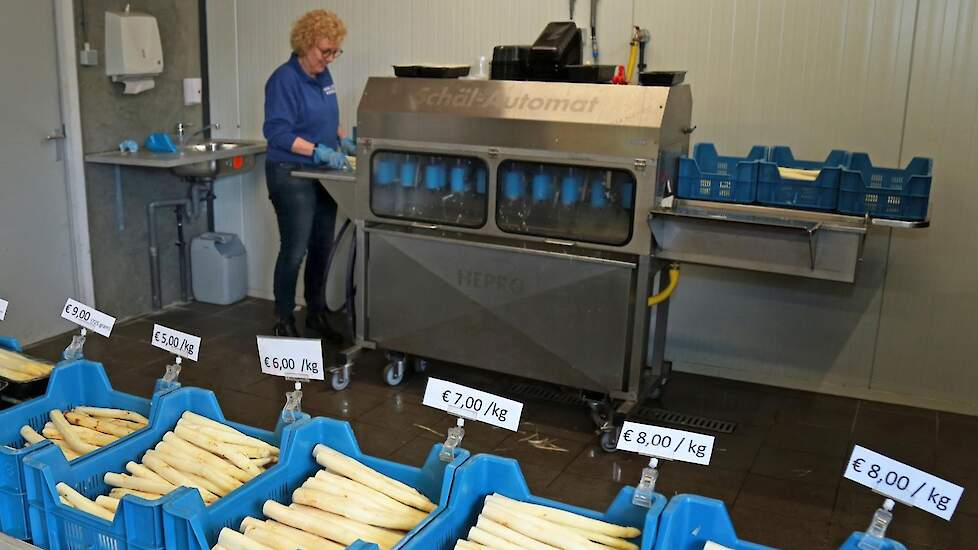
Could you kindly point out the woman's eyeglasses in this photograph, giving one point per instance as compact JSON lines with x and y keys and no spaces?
{"x":331,"y":53}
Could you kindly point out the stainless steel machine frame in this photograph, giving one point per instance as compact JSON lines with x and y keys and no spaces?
{"x":408,"y":303}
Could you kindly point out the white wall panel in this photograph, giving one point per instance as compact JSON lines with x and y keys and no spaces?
{"x":930,"y":309}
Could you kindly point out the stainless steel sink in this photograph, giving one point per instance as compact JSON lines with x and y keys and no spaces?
{"x":211,"y":168}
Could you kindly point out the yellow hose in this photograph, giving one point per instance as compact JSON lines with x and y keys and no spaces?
{"x":667,"y":292}
{"x":632,"y":60}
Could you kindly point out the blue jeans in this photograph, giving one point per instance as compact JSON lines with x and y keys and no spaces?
{"x":306,"y":219}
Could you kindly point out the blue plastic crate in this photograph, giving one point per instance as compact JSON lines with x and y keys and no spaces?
{"x":10,"y":343}
{"x":852,"y":543}
{"x":484,"y":475}
{"x":189,"y":525}
{"x":886,"y":192}
{"x":138,"y":523}
{"x":708,"y":176}
{"x":71,"y":384}
{"x":821,"y":194}
{"x":689,"y":521}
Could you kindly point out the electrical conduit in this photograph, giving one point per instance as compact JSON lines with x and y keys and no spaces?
{"x":665,"y":293}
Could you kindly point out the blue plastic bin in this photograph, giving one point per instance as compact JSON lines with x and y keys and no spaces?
{"x":71,"y":384}
{"x":189,"y":525}
{"x":138,"y":523}
{"x":852,"y":543}
{"x":484,"y":475}
{"x":886,"y":192}
{"x":708,"y":176}
{"x":821,"y":194}
{"x":689,"y":521}
{"x":10,"y":343}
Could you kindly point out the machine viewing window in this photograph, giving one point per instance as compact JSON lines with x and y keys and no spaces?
{"x":443,"y":189}
{"x":565,"y":202}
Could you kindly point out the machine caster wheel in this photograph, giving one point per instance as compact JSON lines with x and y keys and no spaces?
{"x":609,"y":441}
{"x":421,"y":366}
{"x":656,"y":393}
{"x":339,"y":381}
{"x":601,"y":412}
{"x":394,"y":373}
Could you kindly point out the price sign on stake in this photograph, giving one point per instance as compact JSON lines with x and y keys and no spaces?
{"x":176,"y":342}
{"x":87,"y":317}
{"x":666,"y":443}
{"x":291,"y":357}
{"x":903,"y":483}
{"x":3,"y":308}
{"x":473,"y":404}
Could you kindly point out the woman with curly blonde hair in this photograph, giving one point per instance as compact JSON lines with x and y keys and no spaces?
{"x":302,"y":129}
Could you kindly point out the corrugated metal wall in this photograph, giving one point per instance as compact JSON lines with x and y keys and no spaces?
{"x":889,"y":77}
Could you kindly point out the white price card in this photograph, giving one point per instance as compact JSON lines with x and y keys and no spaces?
{"x":176,"y":342}
{"x":473,"y":404}
{"x":903,"y":483}
{"x":291,"y":357}
{"x":666,"y":443}
{"x":3,"y":308}
{"x":87,"y":317}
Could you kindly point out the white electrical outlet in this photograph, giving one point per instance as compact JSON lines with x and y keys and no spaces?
{"x":88,"y":57}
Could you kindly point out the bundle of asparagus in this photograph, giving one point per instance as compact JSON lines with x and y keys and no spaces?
{"x":507,"y":524}
{"x":199,"y":453}
{"x":342,"y":503}
{"x":798,"y":173}
{"x":85,"y":429}
{"x":20,"y":368}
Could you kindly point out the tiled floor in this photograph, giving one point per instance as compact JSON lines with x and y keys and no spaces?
{"x":779,"y":472}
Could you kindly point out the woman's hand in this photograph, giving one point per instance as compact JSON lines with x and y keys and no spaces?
{"x":348,"y":146}
{"x":332,"y":158}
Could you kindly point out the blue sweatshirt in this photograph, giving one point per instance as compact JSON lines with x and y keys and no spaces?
{"x":298,"y":105}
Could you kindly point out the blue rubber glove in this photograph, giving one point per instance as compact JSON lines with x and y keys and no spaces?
{"x":333,"y":159}
{"x":348,"y":146}
{"x":128,"y":146}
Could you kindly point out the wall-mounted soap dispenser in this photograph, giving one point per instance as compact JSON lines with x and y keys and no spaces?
{"x":133,"y":54}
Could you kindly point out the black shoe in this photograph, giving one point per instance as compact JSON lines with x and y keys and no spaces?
{"x":286,"y":328}
{"x":319,"y":323}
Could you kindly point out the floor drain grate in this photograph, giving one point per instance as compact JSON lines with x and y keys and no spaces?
{"x":544,"y":393}
{"x":685,"y":420}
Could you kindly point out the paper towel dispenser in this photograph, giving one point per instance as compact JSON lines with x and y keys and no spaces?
{"x":133,"y":53}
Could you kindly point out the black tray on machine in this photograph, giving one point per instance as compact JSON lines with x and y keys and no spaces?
{"x":431,"y":71}
{"x":593,"y":74}
{"x":661,"y":78}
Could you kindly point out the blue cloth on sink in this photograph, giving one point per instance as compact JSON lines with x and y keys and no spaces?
{"x":128,"y":146}
{"x":160,"y":142}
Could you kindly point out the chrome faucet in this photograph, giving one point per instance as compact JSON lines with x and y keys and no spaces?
{"x":215,"y":126}
{"x":182,"y":130}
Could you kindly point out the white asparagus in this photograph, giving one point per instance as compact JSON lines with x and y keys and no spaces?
{"x":331,"y":483}
{"x":224,"y":483}
{"x":492,"y":541}
{"x":308,"y":540}
{"x":69,"y":453}
{"x":137,"y":483}
{"x":103,"y":425}
{"x":276,"y":541}
{"x":198,"y":419}
{"x":139,"y":470}
{"x":233,"y":540}
{"x":219,"y":448}
{"x":22,"y":367}
{"x":569,"y":519}
{"x":608,"y":540}
{"x":30,"y":436}
{"x":468,"y":545}
{"x":342,"y":464}
{"x":79,"y":501}
{"x":158,"y":465}
{"x":109,"y":503}
{"x":119,"y":493}
{"x":321,"y":524}
{"x":67,"y":431}
{"x":506,"y":533}
{"x":207,"y":457}
{"x":359,"y":511}
{"x":121,"y":414}
{"x":87,"y":435}
{"x":263,"y":462}
{"x":236,"y":440}
{"x":538,"y":529}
